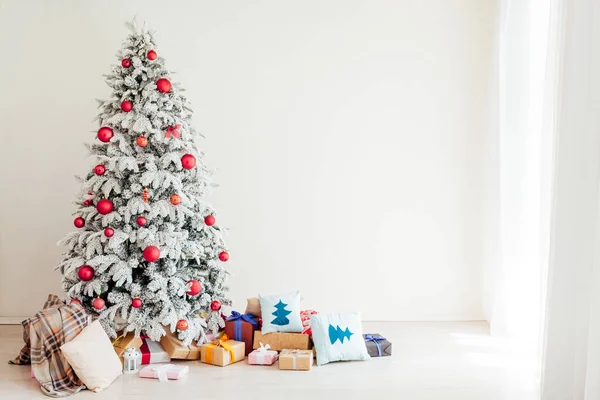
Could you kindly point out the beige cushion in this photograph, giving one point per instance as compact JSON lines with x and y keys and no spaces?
{"x":253,"y":307}
{"x":93,"y":358}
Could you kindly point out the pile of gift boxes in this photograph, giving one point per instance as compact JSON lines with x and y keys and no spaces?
{"x":241,"y":339}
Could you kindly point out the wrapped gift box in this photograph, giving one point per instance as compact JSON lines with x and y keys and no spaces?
{"x":296,"y":360}
{"x":262,"y":356}
{"x":241,"y":327}
{"x":283,"y":340}
{"x":153,"y":352}
{"x":124,"y":342}
{"x":164,"y":372}
{"x":305,"y":317}
{"x":377,"y":345}
{"x":222,"y":352}
{"x":176,"y":350}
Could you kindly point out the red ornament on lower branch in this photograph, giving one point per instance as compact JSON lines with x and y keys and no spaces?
{"x":85,"y":273}
{"x":209,"y":220}
{"x":98,"y":304}
{"x":126,"y":106}
{"x":126,"y":63}
{"x":163,"y":85}
{"x":99,"y":169}
{"x":109,"y":232}
{"x":136,"y":303}
{"x":151,"y":253}
{"x":215,"y":305}
{"x":79,"y":222}
{"x":188,"y":161}
{"x":182,"y":325}
{"x":141,"y":221}
{"x":104,"y":206}
{"x":223,"y":256}
{"x":105,"y":134}
{"x":194,"y":287}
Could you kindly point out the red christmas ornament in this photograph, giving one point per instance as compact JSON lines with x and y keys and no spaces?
{"x":104,"y":206}
{"x":98,"y":303}
{"x":126,"y":62}
{"x":195,"y":287}
{"x":75,"y":301}
{"x":215,"y":305}
{"x":163,"y":85}
{"x":105,"y":134}
{"x":182,"y":325}
{"x":188,"y":161}
{"x":151,"y":55}
{"x":151,"y":253}
{"x":109,"y":232}
{"x":85,"y":273}
{"x":141,"y":141}
{"x":175,"y":199}
{"x":136,"y":303}
{"x":126,"y":106}
{"x":79,"y":222}
{"x":141,"y":221}
{"x":223,"y":256}
{"x":99,"y":169}
{"x":209,"y":220}
{"x":87,"y":202}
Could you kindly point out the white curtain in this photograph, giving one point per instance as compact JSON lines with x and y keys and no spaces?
{"x":543,"y":277}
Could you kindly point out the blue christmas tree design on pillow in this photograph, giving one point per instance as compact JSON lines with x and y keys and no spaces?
{"x":281,"y":314}
{"x":338,"y":334}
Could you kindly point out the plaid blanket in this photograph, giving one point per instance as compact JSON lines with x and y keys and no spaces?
{"x":43,"y":334}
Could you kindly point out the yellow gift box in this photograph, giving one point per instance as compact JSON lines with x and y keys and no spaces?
{"x":222,"y":352}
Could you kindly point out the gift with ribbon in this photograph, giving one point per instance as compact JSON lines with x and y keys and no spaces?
{"x":222,"y":352}
{"x":123,"y":342}
{"x":241,"y":327}
{"x":175,"y":348}
{"x":164,"y":372}
{"x":262,"y":356}
{"x":377,"y":345}
{"x":283,"y":340}
{"x":296,"y":360}
{"x":153,"y":352}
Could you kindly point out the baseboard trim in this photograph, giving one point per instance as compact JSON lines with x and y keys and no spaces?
{"x":12,"y":320}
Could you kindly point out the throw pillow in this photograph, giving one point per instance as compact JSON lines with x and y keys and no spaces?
{"x":281,"y":313}
{"x":338,"y":337}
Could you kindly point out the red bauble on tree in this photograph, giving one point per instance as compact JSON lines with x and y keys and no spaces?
{"x":188,"y":161}
{"x":126,"y":62}
{"x":87,"y":202}
{"x":136,"y":303}
{"x":223,"y":256}
{"x":141,"y":141}
{"x":151,"y":55}
{"x":194,"y":287}
{"x":104,"y":206}
{"x":141,"y":221}
{"x":182,"y":325}
{"x":175,"y":199}
{"x":163,"y":85}
{"x":99,"y":169}
{"x":105,"y":134}
{"x":209,"y":220}
{"x":215,"y":305}
{"x":126,"y":106}
{"x":151,"y":253}
{"x":85,"y":273}
{"x":79,"y":222}
{"x":98,"y":303}
{"x":109,"y":232}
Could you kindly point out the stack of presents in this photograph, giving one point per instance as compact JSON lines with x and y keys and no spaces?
{"x":273,"y":328}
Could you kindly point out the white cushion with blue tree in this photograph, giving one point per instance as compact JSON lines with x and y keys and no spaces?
{"x":338,"y":337}
{"x":281,"y":313}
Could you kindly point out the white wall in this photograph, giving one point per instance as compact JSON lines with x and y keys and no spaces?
{"x":347,"y":136}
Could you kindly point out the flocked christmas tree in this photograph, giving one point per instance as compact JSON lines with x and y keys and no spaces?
{"x":148,"y":255}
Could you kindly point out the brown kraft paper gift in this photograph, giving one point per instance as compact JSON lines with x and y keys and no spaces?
{"x":295,"y":360}
{"x":215,"y":354}
{"x":283,"y":340}
{"x":175,"y":348}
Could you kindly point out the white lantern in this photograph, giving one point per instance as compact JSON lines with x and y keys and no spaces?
{"x":132,"y":358}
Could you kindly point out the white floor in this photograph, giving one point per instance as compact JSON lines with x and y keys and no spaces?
{"x":433,"y":361}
